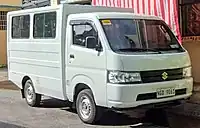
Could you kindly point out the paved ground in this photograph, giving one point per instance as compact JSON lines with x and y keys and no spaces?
{"x":3,"y":74}
{"x":52,"y":114}
{"x":4,"y":83}
{"x":15,"y":113}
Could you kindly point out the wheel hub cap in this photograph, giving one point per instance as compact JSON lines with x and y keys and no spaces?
{"x":85,"y":107}
{"x":29,"y":93}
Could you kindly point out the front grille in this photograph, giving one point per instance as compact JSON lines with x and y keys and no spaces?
{"x":161,"y":75}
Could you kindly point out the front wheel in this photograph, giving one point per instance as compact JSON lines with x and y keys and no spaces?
{"x":33,"y":99}
{"x":86,"y":108}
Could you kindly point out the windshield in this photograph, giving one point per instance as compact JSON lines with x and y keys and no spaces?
{"x":128,"y":35}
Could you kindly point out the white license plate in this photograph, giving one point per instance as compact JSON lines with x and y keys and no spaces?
{"x":165,"y":92}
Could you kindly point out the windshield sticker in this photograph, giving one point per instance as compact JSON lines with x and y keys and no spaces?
{"x":106,"y":22}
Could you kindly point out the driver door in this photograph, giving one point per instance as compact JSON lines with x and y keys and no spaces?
{"x":85,"y":64}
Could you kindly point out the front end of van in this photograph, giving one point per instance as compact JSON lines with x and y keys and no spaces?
{"x":145,"y":63}
{"x":152,"y":80}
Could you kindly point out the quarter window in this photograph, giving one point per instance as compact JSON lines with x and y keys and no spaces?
{"x":44,"y":25}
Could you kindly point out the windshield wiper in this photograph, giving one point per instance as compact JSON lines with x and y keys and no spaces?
{"x":139,"y":50}
{"x":169,"y":49}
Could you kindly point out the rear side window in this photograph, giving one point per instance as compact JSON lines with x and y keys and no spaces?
{"x":21,"y":27}
{"x":44,"y":25}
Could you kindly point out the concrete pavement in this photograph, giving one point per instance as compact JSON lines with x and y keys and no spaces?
{"x":53,"y":113}
{"x":3,"y":74}
{"x":4,"y":83}
{"x":15,"y":113}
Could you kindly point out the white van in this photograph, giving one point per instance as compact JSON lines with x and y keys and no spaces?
{"x":95,"y":57}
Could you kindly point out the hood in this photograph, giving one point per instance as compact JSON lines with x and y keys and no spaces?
{"x":154,"y":61}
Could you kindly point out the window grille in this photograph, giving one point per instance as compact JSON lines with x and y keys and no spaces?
{"x":3,"y":20}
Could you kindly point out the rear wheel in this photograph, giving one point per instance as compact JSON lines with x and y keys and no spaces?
{"x":33,"y":99}
{"x":86,"y":108}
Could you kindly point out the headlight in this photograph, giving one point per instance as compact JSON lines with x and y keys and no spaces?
{"x":117,"y":77}
{"x":187,"y":72}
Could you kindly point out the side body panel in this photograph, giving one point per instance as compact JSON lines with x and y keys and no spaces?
{"x":39,"y":59}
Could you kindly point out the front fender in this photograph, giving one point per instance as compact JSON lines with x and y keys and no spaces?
{"x":77,"y":80}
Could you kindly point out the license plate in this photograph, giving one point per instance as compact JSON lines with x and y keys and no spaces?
{"x":165,"y":92}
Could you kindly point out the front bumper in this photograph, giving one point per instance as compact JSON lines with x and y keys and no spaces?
{"x":129,"y":96}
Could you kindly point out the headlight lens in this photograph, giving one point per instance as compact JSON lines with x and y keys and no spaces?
{"x":187,"y":72}
{"x":117,"y":77}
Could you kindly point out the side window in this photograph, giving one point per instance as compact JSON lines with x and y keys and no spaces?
{"x":81,"y":33}
{"x":44,"y":25}
{"x":21,"y":27}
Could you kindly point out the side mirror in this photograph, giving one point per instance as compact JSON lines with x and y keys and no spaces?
{"x":98,"y":47}
{"x":92,"y":43}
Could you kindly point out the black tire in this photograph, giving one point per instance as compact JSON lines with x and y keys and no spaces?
{"x":95,"y":113}
{"x":35,"y":99}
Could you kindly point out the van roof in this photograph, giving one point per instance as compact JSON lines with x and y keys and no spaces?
{"x":98,"y":11}
{"x":104,"y":15}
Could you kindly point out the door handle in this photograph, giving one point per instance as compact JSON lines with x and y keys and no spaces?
{"x":71,"y":56}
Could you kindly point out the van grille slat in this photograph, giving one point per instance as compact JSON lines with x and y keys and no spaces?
{"x":156,"y":76}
